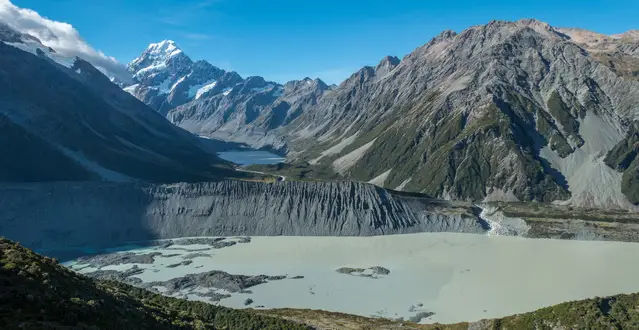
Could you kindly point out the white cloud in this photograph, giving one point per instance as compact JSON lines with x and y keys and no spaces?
{"x":60,"y":36}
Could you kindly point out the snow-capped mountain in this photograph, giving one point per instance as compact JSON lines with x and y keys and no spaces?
{"x":166,"y":78}
{"x":155,"y":57}
{"x":212,"y":102}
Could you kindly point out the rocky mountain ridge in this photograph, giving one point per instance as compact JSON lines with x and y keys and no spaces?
{"x":170,"y":82}
{"x":503,"y":111}
{"x":165,"y":77}
{"x":504,"y":90}
{"x":212,"y":102}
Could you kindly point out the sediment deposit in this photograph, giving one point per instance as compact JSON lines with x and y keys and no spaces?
{"x":99,"y":214}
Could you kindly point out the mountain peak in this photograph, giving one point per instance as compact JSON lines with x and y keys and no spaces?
{"x":158,"y":56}
{"x":386,"y":65}
{"x":157,"y":52}
{"x":388,"y":61}
{"x":165,"y":47}
{"x":537,"y":25}
{"x":9,"y":34}
{"x":445,"y":35}
{"x":532,"y":21}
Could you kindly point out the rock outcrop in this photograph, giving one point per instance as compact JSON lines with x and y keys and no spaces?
{"x":57,"y":215}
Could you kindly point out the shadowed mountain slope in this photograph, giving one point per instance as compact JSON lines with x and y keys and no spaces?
{"x":72,"y":123}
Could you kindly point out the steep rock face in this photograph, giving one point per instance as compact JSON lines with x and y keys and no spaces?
{"x":508,"y":110}
{"x":623,"y":158}
{"x":92,"y":214}
{"x":251,"y":112}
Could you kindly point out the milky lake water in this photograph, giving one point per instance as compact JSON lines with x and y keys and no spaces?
{"x":459,"y":277}
{"x":250,"y":157}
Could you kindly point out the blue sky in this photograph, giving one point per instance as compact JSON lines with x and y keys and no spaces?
{"x":329,"y":39}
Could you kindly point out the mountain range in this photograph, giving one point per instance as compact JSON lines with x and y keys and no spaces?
{"x":511,"y":111}
{"x":212,"y":102}
{"x":507,"y":111}
{"x":503,"y":111}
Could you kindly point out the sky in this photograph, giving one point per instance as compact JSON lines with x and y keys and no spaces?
{"x":283,"y":40}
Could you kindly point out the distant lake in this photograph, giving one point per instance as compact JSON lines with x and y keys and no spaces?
{"x":250,"y":157}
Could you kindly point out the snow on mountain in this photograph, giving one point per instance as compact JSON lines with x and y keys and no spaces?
{"x":263,"y":89}
{"x":165,"y":86}
{"x":279,"y":91}
{"x":131,"y":89}
{"x":31,"y":44}
{"x":165,"y":78}
{"x":166,"y":48}
{"x":32,"y":31}
{"x":150,"y":69}
{"x":156,"y":57}
{"x":177,"y":83}
{"x":541,"y":113}
{"x":204,"y":89}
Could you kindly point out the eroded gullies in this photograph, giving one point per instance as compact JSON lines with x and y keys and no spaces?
{"x":428,"y":277}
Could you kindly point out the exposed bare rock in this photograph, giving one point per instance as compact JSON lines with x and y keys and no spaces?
{"x":213,"y":279}
{"x":120,"y":276}
{"x":502,"y":111}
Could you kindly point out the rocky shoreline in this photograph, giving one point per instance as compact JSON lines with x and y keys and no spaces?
{"x":212,"y":286}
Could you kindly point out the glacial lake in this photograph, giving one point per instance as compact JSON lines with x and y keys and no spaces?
{"x":458,"y":277}
{"x":250,"y":157}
